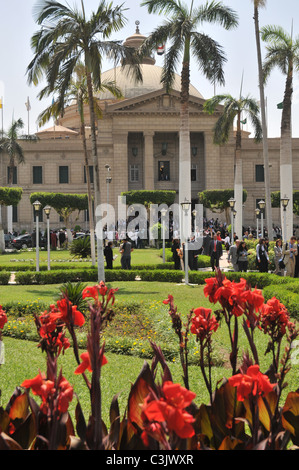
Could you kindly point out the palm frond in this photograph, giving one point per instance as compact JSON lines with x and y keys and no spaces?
{"x":209,"y":56}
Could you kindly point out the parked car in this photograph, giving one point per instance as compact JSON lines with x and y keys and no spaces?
{"x":8,"y":238}
{"x":25,"y":241}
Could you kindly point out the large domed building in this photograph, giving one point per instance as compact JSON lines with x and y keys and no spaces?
{"x":138,"y":138}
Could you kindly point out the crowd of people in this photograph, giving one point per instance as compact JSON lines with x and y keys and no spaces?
{"x":211,"y":241}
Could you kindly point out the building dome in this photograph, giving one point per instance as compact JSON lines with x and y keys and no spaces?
{"x":151,"y":73}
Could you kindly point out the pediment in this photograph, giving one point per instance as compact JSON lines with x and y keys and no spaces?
{"x":155,"y":102}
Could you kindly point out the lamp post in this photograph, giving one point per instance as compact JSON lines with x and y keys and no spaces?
{"x":257,"y":213}
{"x":262,"y":205}
{"x":108,"y":181}
{"x":37,"y":206}
{"x":232,"y":203}
{"x":185,"y":206}
{"x":163,"y":213}
{"x":194,"y":212}
{"x":47,"y":210}
{"x":284,"y":202}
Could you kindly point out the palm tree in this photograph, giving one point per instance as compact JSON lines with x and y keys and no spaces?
{"x":235,"y":109}
{"x":10,"y":145}
{"x":78,"y":92}
{"x":65,"y":38}
{"x":257,"y":5}
{"x":180,"y":29}
{"x":283,"y":52}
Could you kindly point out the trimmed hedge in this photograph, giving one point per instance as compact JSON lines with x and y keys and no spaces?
{"x":255,"y":279}
{"x":288,"y":294}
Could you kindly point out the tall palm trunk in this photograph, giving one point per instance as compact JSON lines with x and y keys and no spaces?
{"x":89,"y":195}
{"x":100,"y":254}
{"x":238,"y":182}
{"x":264,"y":127}
{"x":185,"y":166}
{"x":286,"y":174}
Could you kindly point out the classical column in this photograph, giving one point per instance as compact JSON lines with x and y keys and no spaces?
{"x":120,"y":163}
{"x":149,"y":171}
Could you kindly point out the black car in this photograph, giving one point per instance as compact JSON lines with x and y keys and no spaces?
{"x":25,"y":241}
{"x":8,"y":238}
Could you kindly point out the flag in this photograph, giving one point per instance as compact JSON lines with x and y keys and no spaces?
{"x":161,"y":49}
{"x":27,"y":104}
{"x":280,"y":105}
{"x":1,"y":106}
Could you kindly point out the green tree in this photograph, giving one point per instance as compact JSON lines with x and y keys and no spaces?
{"x":235,"y":109}
{"x":180,"y":29}
{"x":217,"y":200}
{"x":65,"y":38}
{"x":257,"y":5}
{"x":283,"y":53}
{"x":64,"y":204}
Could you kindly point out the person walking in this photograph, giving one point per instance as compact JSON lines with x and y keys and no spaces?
{"x":242,"y":257}
{"x":262,"y":256}
{"x":232,"y":255}
{"x":277,"y":257}
{"x":289,"y":253}
{"x":215,"y":251}
{"x":126,"y":250}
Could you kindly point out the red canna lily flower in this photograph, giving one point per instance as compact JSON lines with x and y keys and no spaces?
{"x":169,"y":409}
{"x":67,"y":310}
{"x":86,"y":363}
{"x":203,"y":323}
{"x":65,"y":395}
{"x":3,"y":318}
{"x":253,"y":382}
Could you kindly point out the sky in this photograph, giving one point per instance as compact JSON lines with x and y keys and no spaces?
{"x":18,"y":26}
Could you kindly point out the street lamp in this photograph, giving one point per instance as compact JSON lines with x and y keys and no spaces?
{"x":284,"y":202}
{"x":262,"y":205}
{"x":163,"y":213}
{"x":47,"y":210}
{"x":232,"y":203}
{"x":37,"y":206}
{"x":185,"y":206}
{"x":257,"y":213}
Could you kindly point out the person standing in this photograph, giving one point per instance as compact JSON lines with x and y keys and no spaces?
{"x":232,"y":255}
{"x":289,"y":252}
{"x":278,"y":257}
{"x":126,"y":250}
{"x":262,"y":257}
{"x":108,"y":253}
{"x":215,"y":251}
{"x":242,"y":257}
{"x":175,"y":247}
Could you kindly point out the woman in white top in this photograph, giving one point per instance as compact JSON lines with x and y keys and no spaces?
{"x":278,"y":256}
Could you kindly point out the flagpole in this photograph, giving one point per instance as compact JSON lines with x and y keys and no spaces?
{"x":2,"y":115}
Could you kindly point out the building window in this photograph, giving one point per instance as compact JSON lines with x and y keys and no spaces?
{"x":193,"y":172}
{"x":259,"y":174}
{"x":134,"y":173}
{"x":14,"y":174}
{"x":164,"y":171}
{"x":90,"y":174}
{"x":63,"y":174}
{"x":14,"y":214}
{"x":37,"y":175}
